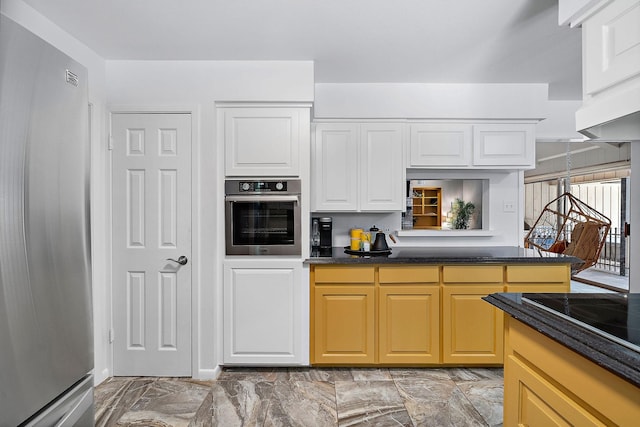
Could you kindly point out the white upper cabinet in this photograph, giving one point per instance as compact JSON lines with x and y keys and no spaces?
{"x":334,"y":167}
{"x":479,"y":145}
{"x":381,"y":167}
{"x":264,"y":141}
{"x":504,"y":145}
{"x":357,"y":167}
{"x":436,"y":144}
{"x":612,"y":41}
{"x":611,"y":69}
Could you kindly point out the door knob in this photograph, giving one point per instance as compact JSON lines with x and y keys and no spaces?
{"x":182,"y":260}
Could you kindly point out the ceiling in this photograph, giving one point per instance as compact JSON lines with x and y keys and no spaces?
{"x":369,"y":41}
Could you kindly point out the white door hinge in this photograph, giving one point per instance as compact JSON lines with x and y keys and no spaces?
{"x":110,"y":143}
{"x":110,"y":336}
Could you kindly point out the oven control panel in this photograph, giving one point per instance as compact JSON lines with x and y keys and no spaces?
{"x":262,"y":186}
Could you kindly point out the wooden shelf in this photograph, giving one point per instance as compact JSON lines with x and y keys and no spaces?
{"x":427,"y":212}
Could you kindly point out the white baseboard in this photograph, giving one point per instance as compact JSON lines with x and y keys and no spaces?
{"x":99,"y":378}
{"x":209,"y":374}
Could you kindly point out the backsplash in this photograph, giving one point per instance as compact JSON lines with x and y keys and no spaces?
{"x":344,"y":222}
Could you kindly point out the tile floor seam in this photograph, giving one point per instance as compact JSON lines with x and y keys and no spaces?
{"x":335,"y":402}
{"x":404,"y":402}
{"x":472,"y":405}
{"x":120,"y":393}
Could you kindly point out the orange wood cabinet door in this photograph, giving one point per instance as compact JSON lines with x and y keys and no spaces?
{"x":344,"y":325}
{"x":472,"y":329}
{"x":409,"y":324}
{"x":409,"y":314}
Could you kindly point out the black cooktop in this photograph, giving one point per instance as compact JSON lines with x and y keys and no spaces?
{"x":615,"y":316}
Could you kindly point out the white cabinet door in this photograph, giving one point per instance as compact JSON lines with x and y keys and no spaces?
{"x":357,"y":167}
{"x":381,"y":173}
{"x":334,"y":167}
{"x":440,"y":145}
{"x":611,"y":67}
{"x":612,"y":46}
{"x":264,"y":315}
{"x":264,"y":141}
{"x":504,"y":145}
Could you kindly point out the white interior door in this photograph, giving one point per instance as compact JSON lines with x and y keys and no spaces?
{"x":151,"y":201}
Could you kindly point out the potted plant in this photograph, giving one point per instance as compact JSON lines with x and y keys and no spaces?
{"x":461,"y":214}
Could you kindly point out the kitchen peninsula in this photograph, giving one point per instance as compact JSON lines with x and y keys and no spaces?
{"x":421,"y":306}
{"x":571,"y":357}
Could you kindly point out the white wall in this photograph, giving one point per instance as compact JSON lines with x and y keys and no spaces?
{"x":196,"y":86}
{"x":36,"y":23}
{"x":421,"y":100}
{"x":559,"y":122}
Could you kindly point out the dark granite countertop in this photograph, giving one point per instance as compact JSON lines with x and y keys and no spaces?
{"x":445,"y":255}
{"x":604,"y":328}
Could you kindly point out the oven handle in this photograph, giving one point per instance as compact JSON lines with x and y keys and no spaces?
{"x":262,"y":199}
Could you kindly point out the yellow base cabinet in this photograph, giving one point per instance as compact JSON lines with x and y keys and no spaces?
{"x":416,"y":314}
{"x":343,"y":315}
{"x":471,"y":328}
{"x":409,"y":315}
{"x":547,"y":384}
{"x":542,"y":404}
{"x":344,"y":327}
{"x":540,"y":279}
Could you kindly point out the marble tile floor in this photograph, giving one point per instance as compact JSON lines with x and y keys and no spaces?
{"x":307,"y":397}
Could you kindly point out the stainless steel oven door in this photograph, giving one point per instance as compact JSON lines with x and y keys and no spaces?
{"x":263,"y":225}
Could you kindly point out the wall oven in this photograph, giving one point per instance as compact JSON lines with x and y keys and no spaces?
{"x":262,"y":217}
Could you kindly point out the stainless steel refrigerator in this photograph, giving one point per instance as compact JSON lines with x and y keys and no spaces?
{"x":46,"y":338}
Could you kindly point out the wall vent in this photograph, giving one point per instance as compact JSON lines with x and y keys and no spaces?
{"x":71,"y":78}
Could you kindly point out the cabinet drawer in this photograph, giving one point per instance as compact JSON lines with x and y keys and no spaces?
{"x":417,"y":274}
{"x":472,"y":274}
{"x":547,"y":288}
{"x":344,"y":274}
{"x":535,"y":274}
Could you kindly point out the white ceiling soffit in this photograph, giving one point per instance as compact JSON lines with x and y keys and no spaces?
{"x":420,"y":41}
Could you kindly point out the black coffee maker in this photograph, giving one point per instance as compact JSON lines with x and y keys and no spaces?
{"x":326,"y":233}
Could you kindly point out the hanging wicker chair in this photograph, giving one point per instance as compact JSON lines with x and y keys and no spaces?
{"x":568,"y":226}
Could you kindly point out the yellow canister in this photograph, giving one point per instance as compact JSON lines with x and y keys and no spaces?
{"x":355,"y":238}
